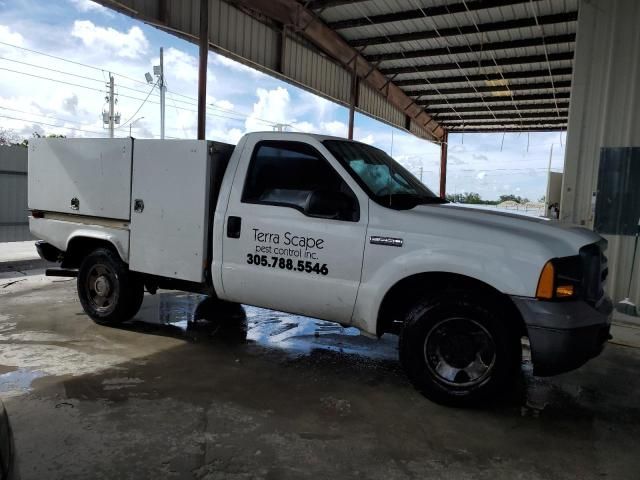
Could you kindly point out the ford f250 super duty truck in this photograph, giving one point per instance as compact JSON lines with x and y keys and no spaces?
{"x":327,"y":228}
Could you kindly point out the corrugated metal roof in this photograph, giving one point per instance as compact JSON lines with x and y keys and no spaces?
{"x":441,"y":52}
{"x":438,"y":52}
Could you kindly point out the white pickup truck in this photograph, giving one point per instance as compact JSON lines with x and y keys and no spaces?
{"x":327,"y":228}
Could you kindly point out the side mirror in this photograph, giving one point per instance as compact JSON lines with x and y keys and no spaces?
{"x":330,"y":204}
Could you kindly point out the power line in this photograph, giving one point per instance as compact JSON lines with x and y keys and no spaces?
{"x":100,"y":69}
{"x":51,"y":125}
{"x":141,"y":105}
{"x":41,"y":115}
{"x":68,"y":73}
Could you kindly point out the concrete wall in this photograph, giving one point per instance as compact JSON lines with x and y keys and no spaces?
{"x":604,"y":112}
{"x":14,"y":224}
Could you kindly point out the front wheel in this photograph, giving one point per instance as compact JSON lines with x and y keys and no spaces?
{"x":108,"y":291}
{"x":457,"y":350}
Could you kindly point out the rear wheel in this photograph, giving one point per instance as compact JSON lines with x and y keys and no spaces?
{"x":108,"y":291}
{"x":457,"y":350}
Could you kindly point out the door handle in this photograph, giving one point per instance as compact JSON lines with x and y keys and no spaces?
{"x":234,"y":225}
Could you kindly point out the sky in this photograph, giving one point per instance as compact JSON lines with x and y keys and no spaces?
{"x":66,"y":95}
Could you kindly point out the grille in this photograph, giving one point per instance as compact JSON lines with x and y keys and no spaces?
{"x":595,"y":271}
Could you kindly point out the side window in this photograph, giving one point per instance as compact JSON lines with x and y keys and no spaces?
{"x":294,"y":174}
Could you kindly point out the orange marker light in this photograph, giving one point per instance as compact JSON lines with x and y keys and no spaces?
{"x":545,"y":283}
{"x":564,"y":291}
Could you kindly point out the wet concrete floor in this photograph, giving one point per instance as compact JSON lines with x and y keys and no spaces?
{"x":190,"y":391}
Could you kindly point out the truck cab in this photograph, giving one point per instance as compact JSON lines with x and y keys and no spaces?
{"x":328,"y":228}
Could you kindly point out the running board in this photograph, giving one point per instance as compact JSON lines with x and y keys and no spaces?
{"x":61,"y":272}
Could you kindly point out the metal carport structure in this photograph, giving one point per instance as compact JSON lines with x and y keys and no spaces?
{"x":428,"y":67}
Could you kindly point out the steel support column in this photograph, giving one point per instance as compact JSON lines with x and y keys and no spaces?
{"x":202,"y":68}
{"x":354,"y":102}
{"x":444,"y":146}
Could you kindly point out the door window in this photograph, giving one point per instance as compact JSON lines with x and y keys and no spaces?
{"x":295,"y":175}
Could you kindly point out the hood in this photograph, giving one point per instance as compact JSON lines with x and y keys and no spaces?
{"x":502,"y":228}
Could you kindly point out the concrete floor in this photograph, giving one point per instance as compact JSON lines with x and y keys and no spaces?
{"x":253,"y":394}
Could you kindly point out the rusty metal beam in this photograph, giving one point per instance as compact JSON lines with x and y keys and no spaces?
{"x":478,"y":47}
{"x":202,"y":68}
{"x":466,"y":29}
{"x":307,"y":24}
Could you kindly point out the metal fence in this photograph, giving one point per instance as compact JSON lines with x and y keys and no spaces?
{"x":14,"y":224}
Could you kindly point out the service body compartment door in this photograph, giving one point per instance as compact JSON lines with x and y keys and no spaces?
{"x":170,"y":208}
{"x":83,"y":176}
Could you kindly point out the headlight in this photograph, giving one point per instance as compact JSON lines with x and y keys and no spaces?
{"x":560,"y":279}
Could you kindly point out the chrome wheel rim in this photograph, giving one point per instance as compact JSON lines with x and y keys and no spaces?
{"x":460,"y":352}
{"x":101,"y":288}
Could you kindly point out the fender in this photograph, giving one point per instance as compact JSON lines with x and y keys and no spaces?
{"x":60,"y":233}
{"x":497,"y":271}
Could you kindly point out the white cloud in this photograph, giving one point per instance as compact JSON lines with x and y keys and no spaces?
{"x":234,"y":65}
{"x":335,"y":128}
{"x":481,"y":175}
{"x":178,"y":65}
{"x":9,"y":36}
{"x":272,"y":106}
{"x":89,"y":6}
{"x":132,"y":44}
{"x":369,"y":140}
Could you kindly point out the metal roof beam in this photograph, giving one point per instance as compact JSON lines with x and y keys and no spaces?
{"x":413,"y":14}
{"x":322,"y":4}
{"x":478,"y":47}
{"x":466,"y":29}
{"x":487,"y":63}
{"x":512,"y":117}
{"x":497,"y":89}
{"x":551,"y":107}
{"x":310,"y":26}
{"x":494,"y":99}
{"x":502,"y":129}
{"x":497,"y":123}
{"x":485,"y":77}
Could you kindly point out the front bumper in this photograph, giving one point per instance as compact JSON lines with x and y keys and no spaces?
{"x":564,"y":335}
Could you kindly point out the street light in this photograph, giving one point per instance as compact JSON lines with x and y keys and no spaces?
{"x":132,"y":122}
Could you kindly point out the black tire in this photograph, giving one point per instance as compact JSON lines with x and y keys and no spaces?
{"x":108,"y":291}
{"x":458,"y":351}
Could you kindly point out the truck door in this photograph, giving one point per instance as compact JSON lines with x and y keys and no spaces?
{"x":294,"y":232}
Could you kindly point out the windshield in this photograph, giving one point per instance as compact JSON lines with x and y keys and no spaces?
{"x":385,"y":180}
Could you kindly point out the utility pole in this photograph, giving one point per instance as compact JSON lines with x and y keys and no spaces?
{"x":162,"y":91}
{"x":111,"y":107}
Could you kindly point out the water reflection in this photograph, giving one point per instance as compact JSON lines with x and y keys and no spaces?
{"x":198,"y":317}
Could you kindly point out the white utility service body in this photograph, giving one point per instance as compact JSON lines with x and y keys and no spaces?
{"x":316,"y":226}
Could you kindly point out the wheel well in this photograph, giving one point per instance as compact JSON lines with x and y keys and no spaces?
{"x":400,"y":297}
{"x":79,"y":247}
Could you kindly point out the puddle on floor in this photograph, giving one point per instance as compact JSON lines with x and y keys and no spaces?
{"x":18,"y":381}
{"x":197,"y":316}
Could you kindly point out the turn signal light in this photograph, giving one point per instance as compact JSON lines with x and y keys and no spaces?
{"x":545,"y":283}
{"x":565,"y":291}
